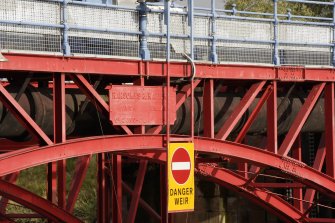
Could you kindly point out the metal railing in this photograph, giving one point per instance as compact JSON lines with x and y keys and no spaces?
{"x":70,"y":28}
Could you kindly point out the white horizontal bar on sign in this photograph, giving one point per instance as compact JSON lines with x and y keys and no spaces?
{"x":181,"y":165}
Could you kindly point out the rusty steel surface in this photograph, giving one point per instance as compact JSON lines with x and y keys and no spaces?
{"x":140,"y":105}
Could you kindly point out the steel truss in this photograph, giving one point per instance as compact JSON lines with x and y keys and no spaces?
{"x":275,"y":155}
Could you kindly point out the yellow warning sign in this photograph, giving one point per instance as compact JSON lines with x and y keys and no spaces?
{"x":180,"y":177}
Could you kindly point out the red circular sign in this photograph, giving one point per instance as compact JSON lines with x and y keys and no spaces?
{"x":181,"y":165}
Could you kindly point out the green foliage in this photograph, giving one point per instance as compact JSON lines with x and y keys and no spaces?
{"x":283,"y":7}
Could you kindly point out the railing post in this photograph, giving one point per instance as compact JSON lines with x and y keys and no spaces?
{"x":334,"y":34}
{"x":276,"y":58}
{"x":289,"y":15}
{"x":167,"y":15}
{"x":191,"y":25}
{"x":214,"y":55}
{"x":234,"y":10}
{"x":144,"y":50}
{"x":66,"y":45}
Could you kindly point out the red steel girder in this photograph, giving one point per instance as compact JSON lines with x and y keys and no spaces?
{"x":272,"y":117}
{"x":208,"y":109}
{"x":11,"y":178}
{"x":330,"y":129}
{"x":5,"y":219}
{"x":59,"y":135}
{"x":22,"y":116}
{"x":136,"y":193}
{"x":77,"y":181}
{"x":227,"y":180}
{"x":297,"y":192}
{"x":277,"y":185}
{"x":116,"y":188}
{"x":52,"y":182}
{"x":102,"y":210}
{"x":25,"y":158}
{"x":244,"y":104}
{"x":254,"y":114}
{"x":322,"y":220}
{"x":123,"y":67}
{"x":94,"y":96}
{"x":318,"y":163}
{"x":131,"y":143}
{"x":35,"y":203}
{"x":301,"y":118}
{"x":90,"y":92}
{"x":267,"y":200}
{"x":163,"y":194}
{"x":143,"y":204}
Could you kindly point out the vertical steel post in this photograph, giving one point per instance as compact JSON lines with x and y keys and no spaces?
{"x":66,"y":45}
{"x":297,"y":192}
{"x":52,"y":182}
{"x":276,"y":59}
{"x":272,"y":135}
{"x":163,"y":193}
{"x":167,"y":15}
{"x":191,"y":25}
{"x":208,"y":110}
{"x":234,"y":10}
{"x":101,"y":190}
{"x":214,"y":55}
{"x":334,"y":34}
{"x":116,"y":188}
{"x":289,"y":15}
{"x":144,"y":50}
{"x":60,"y":133}
{"x":330,"y":129}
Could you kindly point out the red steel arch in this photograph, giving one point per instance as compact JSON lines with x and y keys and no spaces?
{"x":27,"y":158}
{"x":262,"y":197}
{"x":232,"y":181}
{"x":134,"y":144}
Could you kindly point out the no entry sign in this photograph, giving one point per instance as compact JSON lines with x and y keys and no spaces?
{"x":180,"y":177}
{"x":181,"y":165}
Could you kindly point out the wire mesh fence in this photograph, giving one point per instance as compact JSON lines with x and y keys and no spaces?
{"x":291,"y":55}
{"x":244,"y":50}
{"x":30,"y":38}
{"x":23,"y":37}
{"x":100,"y":30}
{"x":93,"y":33}
{"x":102,"y":43}
{"x":309,"y":49}
{"x":237,"y":52}
{"x":202,"y":49}
{"x":102,"y":18}
{"x":244,"y":30}
{"x":30,"y":10}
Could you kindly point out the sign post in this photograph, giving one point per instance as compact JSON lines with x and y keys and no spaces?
{"x":180,"y":177}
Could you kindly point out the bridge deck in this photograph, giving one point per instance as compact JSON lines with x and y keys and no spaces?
{"x":82,"y":29}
